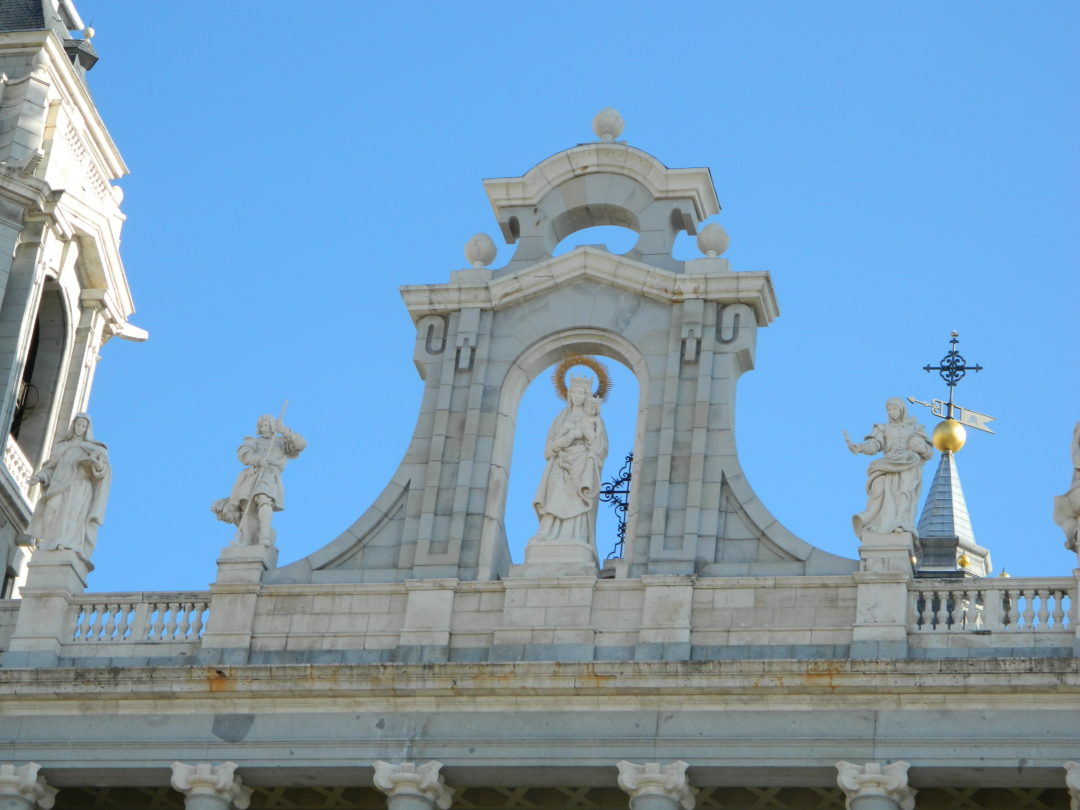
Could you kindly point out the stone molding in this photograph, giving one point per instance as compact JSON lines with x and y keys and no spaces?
{"x":216,"y":781}
{"x":653,"y":779}
{"x":409,"y":779}
{"x":1072,"y":782}
{"x":23,"y":783}
{"x":874,"y":780}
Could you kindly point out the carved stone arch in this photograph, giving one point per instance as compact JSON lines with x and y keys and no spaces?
{"x":533,"y":361}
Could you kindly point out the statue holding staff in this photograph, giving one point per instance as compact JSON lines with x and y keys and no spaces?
{"x":258,"y":491}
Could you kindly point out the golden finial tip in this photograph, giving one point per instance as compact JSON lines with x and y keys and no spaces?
{"x":949,"y":436}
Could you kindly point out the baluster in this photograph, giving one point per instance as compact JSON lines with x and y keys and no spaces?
{"x":950,"y":609}
{"x":992,"y":609}
{"x":1012,"y":606}
{"x":139,"y":626}
{"x":1044,"y":608}
{"x":79,"y":633}
{"x":197,"y":621}
{"x":110,"y":621}
{"x":967,"y":618}
{"x":185,"y":620}
{"x":925,"y":616}
{"x":95,"y":629}
{"x":978,"y":601}
{"x":1059,"y":609}
{"x":158,"y":631}
{"x":170,"y":627}
{"x":1029,"y":610}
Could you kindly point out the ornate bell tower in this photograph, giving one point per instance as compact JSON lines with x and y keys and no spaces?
{"x":63,"y":291}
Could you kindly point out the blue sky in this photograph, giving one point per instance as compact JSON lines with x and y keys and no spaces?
{"x":902,"y":169}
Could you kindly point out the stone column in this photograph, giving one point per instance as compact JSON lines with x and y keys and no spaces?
{"x":875,"y":787}
{"x":409,"y":786}
{"x":210,"y":787}
{"x":22,"y":789}
{"x":653,"y":786}
{"x":1072,"y":782}
{"x":44,"y":622}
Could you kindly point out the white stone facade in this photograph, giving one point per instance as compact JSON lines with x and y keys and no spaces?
{"x":406,"y":664}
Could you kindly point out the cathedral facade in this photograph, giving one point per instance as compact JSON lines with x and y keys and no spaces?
{"x":720,"y":662}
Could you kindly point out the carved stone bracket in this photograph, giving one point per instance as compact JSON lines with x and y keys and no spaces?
{"x":874,"y":786}
{"x":210,"y":787}
{"x":653,"y":786}
{"x":412,"y":787}
{"x":1072,"y":782}
{"x":21,"y":785}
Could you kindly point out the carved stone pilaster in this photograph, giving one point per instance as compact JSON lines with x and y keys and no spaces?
{"x":21,"y":788}
{"x":653,"y":786}
{"x":874,"y":786}
{"x":409,"y":786}
{"x":210,"y":787}
{"x":1072,"y":782}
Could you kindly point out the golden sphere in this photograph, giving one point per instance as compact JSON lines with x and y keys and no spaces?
{"x":949,"y":435}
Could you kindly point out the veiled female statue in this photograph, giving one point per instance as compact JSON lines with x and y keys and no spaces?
{"x":892,"y":481}
{"x":74,"y":488}
{"x":577,"y":444}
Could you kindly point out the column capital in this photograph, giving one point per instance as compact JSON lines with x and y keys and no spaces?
{"x":216,"y":781}
{"x":653,"y":779}
{"x":410,"y":779}
{"x":876,"y":780}
{"x":24,"y":783}
{"x":1072,"y":782}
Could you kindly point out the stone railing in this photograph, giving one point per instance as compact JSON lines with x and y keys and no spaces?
{"x":18,"y":466}
{"x":999,"y":605}
{"x":139,"y":618}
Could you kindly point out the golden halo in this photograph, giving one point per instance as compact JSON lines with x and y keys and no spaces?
{"x":603,"y":382}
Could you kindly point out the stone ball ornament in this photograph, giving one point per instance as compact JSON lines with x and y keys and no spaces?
{"x":480,"y":250}
{"x":713,"y":240}
{"x":949,"y":436}
{"x":608,"y":124}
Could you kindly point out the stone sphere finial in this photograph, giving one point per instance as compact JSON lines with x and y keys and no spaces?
{"x":480,"y":250}
{"x":89,"y":32}
{"x":713,"y":240}
{"x":608,"y":124}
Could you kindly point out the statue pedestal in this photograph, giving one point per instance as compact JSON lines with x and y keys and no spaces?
{"x":887,"y":552}
{"x":549,"y":558}
{"x":882,"y":600}
{"x":233,"y":598}
{"x":53,"y":578}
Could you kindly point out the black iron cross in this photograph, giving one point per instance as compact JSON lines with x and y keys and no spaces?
{"x":952,"y":369}
{"x":617,"y":493}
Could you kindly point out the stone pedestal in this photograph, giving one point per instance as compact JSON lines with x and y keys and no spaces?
{"x":54,"y":577}
{"x":664,"y":633}
{"x":425,"y":632}
{"x":887,"y":552}
{"x":547,"y":558}
{"x":233,"y":597}
{"x":653,"y":786}
{"x":21,"y":788}
{"x":409,"y":786}
{"x":875,"y":787}
{"x":210,"y":787}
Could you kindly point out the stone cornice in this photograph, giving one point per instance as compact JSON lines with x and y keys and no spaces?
{"x":613,"y":158}
{"x":753,"y":288}
{"x":776,"y":685}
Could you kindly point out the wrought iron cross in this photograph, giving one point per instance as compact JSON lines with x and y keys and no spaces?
{"x":952,"y":369}
{"x":617,"y":493}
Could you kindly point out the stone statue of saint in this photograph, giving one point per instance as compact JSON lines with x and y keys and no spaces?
{"x":577,"y":444}
{"x":1067,"y":506}
{"x":74,"y":489}
{"x":258,"y":493}
{"x":893,"y":481}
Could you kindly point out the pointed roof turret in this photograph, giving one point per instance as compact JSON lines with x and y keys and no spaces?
{"x":946,"y":537}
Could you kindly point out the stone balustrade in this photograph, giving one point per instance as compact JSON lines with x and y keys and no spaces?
{"x":133,"y":618}
{"x":998,"y":605}
{"x":18,"y":465}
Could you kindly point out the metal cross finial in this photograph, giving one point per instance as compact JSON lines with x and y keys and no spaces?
{"x":952,"y":369}
{"x":953,"y":366}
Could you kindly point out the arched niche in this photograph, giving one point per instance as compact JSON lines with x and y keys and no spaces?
{"x":40,"y":384}
{"x":530,"y":364}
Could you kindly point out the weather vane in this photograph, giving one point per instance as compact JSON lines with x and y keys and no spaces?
{"x":952,"y":369}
